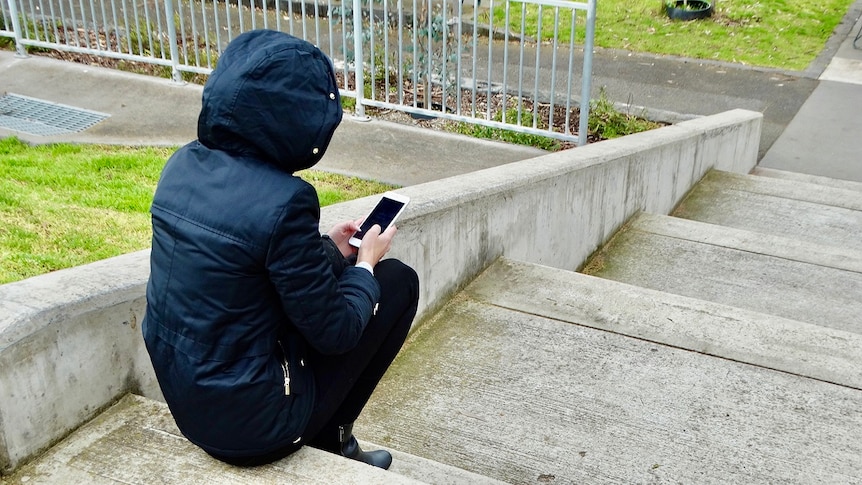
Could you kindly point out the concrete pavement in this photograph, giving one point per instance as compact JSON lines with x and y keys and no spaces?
{"x":824,"y":136}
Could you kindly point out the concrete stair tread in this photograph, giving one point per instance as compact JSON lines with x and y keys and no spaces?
{"x":493,"y":385}
{"x":806,"y":178}
{"x":760,"y":272}
{"x":806,"y":211}
{"x":664,"y":318}
{"x":136,"y":441}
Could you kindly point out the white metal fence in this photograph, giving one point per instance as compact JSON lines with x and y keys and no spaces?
{"x":511,"y":64}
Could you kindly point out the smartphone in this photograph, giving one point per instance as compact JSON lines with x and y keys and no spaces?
{"x":391,"y":206}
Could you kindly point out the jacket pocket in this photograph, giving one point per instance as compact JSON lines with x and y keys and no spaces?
{"x":285,"y":367}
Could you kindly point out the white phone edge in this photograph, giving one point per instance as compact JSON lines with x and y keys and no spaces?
{"x":389,"y":195}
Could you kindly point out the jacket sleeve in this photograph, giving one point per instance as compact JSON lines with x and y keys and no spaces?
{"x":333,"y":254}
{"x":329,"y":311}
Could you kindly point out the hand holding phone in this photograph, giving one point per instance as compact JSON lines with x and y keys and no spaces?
{"x":384,"y":214}
{"x":375,"y":245}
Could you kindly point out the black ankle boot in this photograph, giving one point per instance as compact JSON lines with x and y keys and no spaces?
{"x":350,"y":449}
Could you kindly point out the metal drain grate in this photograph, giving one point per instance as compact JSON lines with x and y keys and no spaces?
{"x":37,"y":117}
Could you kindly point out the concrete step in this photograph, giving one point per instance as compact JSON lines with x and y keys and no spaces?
{"x":809,"y":282}
{"x":534,"y":375}
{"x":137,"y":442}
{"x":806,"y":178}
{"x":664,"y":318}
{"x":806,"y":211}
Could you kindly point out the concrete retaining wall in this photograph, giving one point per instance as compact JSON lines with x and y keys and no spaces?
{"x":70,"y":341}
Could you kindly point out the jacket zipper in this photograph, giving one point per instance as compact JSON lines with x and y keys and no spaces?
{"x":286,"y":369}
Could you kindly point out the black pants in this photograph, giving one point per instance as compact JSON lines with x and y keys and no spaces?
{"x":345,"y":382}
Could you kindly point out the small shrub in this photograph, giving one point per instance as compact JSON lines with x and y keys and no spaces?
{"x":607,"y":122}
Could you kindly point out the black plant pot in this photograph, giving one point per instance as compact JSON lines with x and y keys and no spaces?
{"x":697,"y":9}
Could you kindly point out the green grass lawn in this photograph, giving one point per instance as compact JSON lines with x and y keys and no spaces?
{"x":65,"y":205}
{"x":785,"y":34}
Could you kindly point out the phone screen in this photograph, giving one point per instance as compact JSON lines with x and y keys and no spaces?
{"x":382,"y":214}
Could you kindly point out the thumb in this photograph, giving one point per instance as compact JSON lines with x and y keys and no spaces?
{"x":374,"y":230}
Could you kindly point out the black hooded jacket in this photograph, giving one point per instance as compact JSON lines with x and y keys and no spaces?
{"x":241,"y":280}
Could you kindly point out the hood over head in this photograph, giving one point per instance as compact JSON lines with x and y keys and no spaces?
{"x":272,"y":96}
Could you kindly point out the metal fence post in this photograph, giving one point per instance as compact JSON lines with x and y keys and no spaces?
{"x":358,"y":64}
{"x":587,"y":73}
{"x":20,"y":51}
{"x":176,"y":75}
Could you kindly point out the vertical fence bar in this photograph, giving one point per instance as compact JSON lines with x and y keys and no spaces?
{"x":386,"y":28}
{"x":20,"y":51}
{"x":568,"y":129}
{"x":587,"y":73}
{"x":329,"y":23}
{"x":217,"y":30}
{"x":474,"y":92}
{"x":490,"y":59}
{"x":172,"y":38}
{"x":251,"y":8}
{"x":372,"y":51}
{"x":149,"y":25}
{"x":345,"y":48}
{"x":181,"y":35}
{"x":521,"y":63}
{"x":302,"y":10}
{"x":194,"y":37}
{"x":429,"y":57}
{"x":100,"y":25}
{"x":537,"y":73}
{"x":505,"y":89}
{"x":116,"y":26}
{"x":553,"y":92}
{"x":45,"y":29}
{"x":128,"y":29}
{"x":415,"y":57}
{"x":74,"y":26}
{"x":358,"y":59}
{"x":399,"y":69}
{"x":206,"y":36}
{"x":458,"y":54}
{"x":95,"y":26}
{"x":54,"y":23}
{"x":136,"y":27}
{"x":445,"y":58}
{"x":316,"y":21}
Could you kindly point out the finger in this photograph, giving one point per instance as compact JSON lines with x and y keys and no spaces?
{"x":351,"y":227}
{"x":375,"y":229}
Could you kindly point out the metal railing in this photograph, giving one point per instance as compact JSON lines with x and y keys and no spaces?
{"x":510,"y":64}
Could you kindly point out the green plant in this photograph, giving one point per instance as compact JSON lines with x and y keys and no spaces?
{"x":607,"y":122}
{"x":509,"y":136}
{"x":44,"y":31}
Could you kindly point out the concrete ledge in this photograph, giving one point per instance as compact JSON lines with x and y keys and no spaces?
{"x":70,"y":342}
